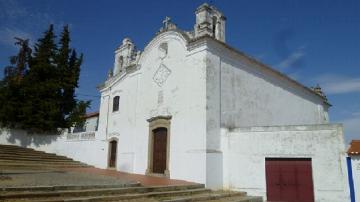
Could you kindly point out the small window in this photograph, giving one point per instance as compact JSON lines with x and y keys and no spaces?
{"x":116,"y":103}
{"x":214,"y":25}
{"x":121,"y":61}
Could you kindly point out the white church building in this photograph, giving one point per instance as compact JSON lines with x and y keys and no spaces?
{"x":191,"y":107}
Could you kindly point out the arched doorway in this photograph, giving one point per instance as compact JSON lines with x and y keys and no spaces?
{"x":159,"y":146}
{"x":159,"y":150}
{"x":112,"y":153}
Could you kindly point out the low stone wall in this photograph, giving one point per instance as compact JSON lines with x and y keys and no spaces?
{"x":84,"y":146}
{"x":245,"y":149}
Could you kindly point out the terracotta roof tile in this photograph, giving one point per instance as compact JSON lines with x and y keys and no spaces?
{"x":354,"y":148}
{"x":92,"y":114}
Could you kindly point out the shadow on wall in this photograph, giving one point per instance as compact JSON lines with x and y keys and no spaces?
{"x":24,"y":139}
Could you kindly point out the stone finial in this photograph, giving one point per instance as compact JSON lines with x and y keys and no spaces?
{"x":110,"y":73}
{"x":317,"y":89}
{"x":126,"y":41}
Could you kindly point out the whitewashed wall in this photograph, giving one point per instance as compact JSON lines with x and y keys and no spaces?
{"x":251,"y":95}
{"x":214,"y":158}
{"x":240,"y":93}
{"x":355,"y":163}
{"x":245,"y":150}
{"x":181,"y":95}
{"x":91,"y":123}
{"x":84,"y":147}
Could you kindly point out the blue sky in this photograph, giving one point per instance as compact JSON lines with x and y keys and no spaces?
{"x":315,"y":42}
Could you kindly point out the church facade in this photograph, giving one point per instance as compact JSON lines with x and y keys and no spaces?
{"x":191,"y":107}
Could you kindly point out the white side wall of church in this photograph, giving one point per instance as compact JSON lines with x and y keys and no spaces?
{"x":245,"y":150}
{"x":251,"y":96}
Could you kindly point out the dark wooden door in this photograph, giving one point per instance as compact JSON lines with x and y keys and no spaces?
{"x":289,"y":180}
{"x":159,"y":150}
{"x":112,"y":159}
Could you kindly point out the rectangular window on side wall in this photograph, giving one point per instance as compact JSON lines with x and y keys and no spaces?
{"x":116,"y":101}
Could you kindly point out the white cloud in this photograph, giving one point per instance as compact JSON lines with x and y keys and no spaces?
{"x":19,"y":21}
{"x":291,"y":59}
{"x":335,"y":84}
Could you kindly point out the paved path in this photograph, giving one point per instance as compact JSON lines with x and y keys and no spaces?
{"x":24,"y":178}
{"x":143,"y":179}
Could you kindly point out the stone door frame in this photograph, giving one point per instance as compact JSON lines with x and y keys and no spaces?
{"x":109,"y":152}
{"x":154,"y":123}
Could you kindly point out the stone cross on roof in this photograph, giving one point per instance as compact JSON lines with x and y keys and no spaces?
{"x":166,"y":22}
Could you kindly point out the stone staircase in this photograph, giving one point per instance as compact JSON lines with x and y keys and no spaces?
{"x":30,"y":175}
{"x":18,"y":157}
{"x":178,"y":193}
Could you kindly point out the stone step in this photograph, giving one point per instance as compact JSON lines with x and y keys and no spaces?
{"x":4,"y":165}
{"x":15,"y":148}
{"x":18,"y":148}
{"x":49,"y":156}
{"x":12,"y":146}
{"x":35,"y":158}
{"x":23,"y":151}
{"x":130,"y":196}
{"x":206,"y":197}
{"x":238,"y":199}
{"x":16,"y":190}
{"x":29,"y":160}
{"x":215,"y":197}
{"x":23,"y":165}
{"x":100,"y":192}
{"x":42,"y":163}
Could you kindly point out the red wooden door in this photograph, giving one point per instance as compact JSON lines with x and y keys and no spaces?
{"x":159,"y":150}
{"x":112,"y":159}
{"x":289,"y":180}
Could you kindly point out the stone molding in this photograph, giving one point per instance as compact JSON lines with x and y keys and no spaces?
{"x":154,"y":123}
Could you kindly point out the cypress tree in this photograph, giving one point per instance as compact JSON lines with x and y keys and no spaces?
{"x":69,"y":66}
{"x":38,"y":91}
{"x":11,"y":87}
{"x":42,"y":103}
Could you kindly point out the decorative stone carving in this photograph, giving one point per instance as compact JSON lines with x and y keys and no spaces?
{"x":83,"y":136}
{"x":161,"y":75}
{"x":163,"y":50}
{"x":160,"y":97}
